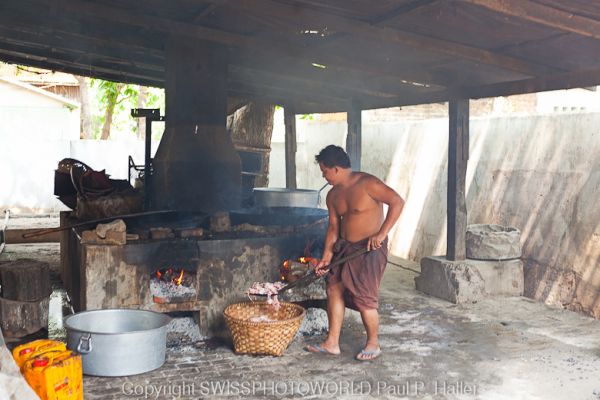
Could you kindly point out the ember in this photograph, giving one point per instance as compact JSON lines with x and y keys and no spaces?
{"x":171,"y":285}
{"x":292,"y":270}
{"x":171,"y":275}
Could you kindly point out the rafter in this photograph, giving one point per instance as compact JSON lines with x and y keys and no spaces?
{"x":81,"y":49}
{"x":566,"y":80}
{"x":151,"y":59}
{"x":543,"y":15}
{"x":402,"y":10}
{"x":303,"y":55}
{"x":384,"y":34}
{"x":60,"y":65}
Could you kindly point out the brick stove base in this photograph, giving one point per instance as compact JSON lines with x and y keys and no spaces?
{"x":118,"y":276}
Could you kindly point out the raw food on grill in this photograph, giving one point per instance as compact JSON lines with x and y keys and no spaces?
{"x":269,"y":289}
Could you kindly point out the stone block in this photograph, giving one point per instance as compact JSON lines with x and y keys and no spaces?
{"x":469,"y":280}
{"x":220,"y":222}
{"x":190,"y":233}
{"x":161,"y":233}
{"x":117,"y":225}
{"x":112,"y":238}
{"x":492,"y":242}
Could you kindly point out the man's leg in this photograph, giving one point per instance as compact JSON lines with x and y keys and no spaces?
{"x":370,"y":319}
{"x":335,"y":314}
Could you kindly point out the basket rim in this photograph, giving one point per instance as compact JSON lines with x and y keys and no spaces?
{"x":278,"y":322}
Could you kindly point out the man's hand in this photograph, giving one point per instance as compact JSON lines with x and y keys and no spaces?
{"x":322,"y":266}
{"x":375,"y":241}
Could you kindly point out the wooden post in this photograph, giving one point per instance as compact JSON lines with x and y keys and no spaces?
{"x":458,"y":155}
{"x":354,"y":137}
{"x":290,"y":147}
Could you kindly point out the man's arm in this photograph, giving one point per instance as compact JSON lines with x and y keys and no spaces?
{"x":379,"y":191}
{"x":333,"y":231}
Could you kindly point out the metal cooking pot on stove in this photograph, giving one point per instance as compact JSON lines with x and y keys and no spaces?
{"x":283,"y":197}
{"x":118,"y":342}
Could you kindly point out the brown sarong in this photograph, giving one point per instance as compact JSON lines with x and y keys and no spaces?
{"x":360,"y":276}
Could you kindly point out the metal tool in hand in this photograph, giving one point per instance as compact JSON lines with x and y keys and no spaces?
{"x":311,"y":276}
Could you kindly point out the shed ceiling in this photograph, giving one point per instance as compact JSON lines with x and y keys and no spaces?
{"x":325,"y":55}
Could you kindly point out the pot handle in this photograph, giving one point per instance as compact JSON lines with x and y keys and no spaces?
{"x":86,"y":337}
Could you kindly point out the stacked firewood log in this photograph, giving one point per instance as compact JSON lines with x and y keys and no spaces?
{"x":24,"y":297}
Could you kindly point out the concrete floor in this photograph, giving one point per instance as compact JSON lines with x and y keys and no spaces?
{"x":504,"y":348}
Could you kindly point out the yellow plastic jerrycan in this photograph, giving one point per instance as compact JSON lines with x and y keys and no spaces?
{"x":55,"y":375}
{"x":28,"y":350}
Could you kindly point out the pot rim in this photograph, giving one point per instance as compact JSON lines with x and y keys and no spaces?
{"x":68,"y":326}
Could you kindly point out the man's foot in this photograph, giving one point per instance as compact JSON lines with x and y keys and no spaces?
{"x":320,"y":349}
{"x":368,"y":355}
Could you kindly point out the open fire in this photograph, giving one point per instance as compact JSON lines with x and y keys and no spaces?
{"x":170,"y":275}
{"x":172,"y":285}
{"x":292,"y":270}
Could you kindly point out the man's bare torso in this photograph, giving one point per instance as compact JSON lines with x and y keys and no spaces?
{"x":360,"y":216}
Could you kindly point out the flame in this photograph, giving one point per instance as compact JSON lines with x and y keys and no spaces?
{"x":158,"y":274}
{"x":179,"y":279}
{"x":286,"y":264}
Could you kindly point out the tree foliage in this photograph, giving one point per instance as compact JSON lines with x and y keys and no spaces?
{"x":115,"y":101}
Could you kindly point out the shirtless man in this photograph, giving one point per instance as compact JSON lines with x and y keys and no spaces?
{"x":356,"y":219}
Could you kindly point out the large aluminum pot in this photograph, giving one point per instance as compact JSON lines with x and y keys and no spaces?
{"x":281,"y":197}
{"x":118,"y":342}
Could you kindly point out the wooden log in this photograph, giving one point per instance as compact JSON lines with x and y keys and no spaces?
{"x":14,"y":236}
{"x":21,"y":318}
{"x":25,"y":280}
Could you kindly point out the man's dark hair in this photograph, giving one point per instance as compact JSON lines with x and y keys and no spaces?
{"x":333,"y":156}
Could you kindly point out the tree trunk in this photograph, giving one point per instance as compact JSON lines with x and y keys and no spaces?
{"x":85,"y":119}
{"x":110,"y":109}
{"x":141,"y":103}
{"x":251,"y":129}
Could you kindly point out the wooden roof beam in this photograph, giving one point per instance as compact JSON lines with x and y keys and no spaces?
{"x":274,"y":47}
{"x":384,"y":19}
{"x":328,"y":77}
{"x":82,"y":49}
{"x":276,"y":95}
{"x":402,"y":10}
{"x":54,"y":64}
{"x":86,"y":47}
{"x":385,"y":34}
{"x":565,"y":80}
{"x":543,"y":15}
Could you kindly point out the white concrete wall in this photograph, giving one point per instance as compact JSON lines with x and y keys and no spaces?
{"x":35,"y":132}
{"x":27,"y":167}
{"x":540,"y":174}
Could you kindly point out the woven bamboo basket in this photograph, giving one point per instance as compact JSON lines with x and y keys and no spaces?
{"x":262,"y":336}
